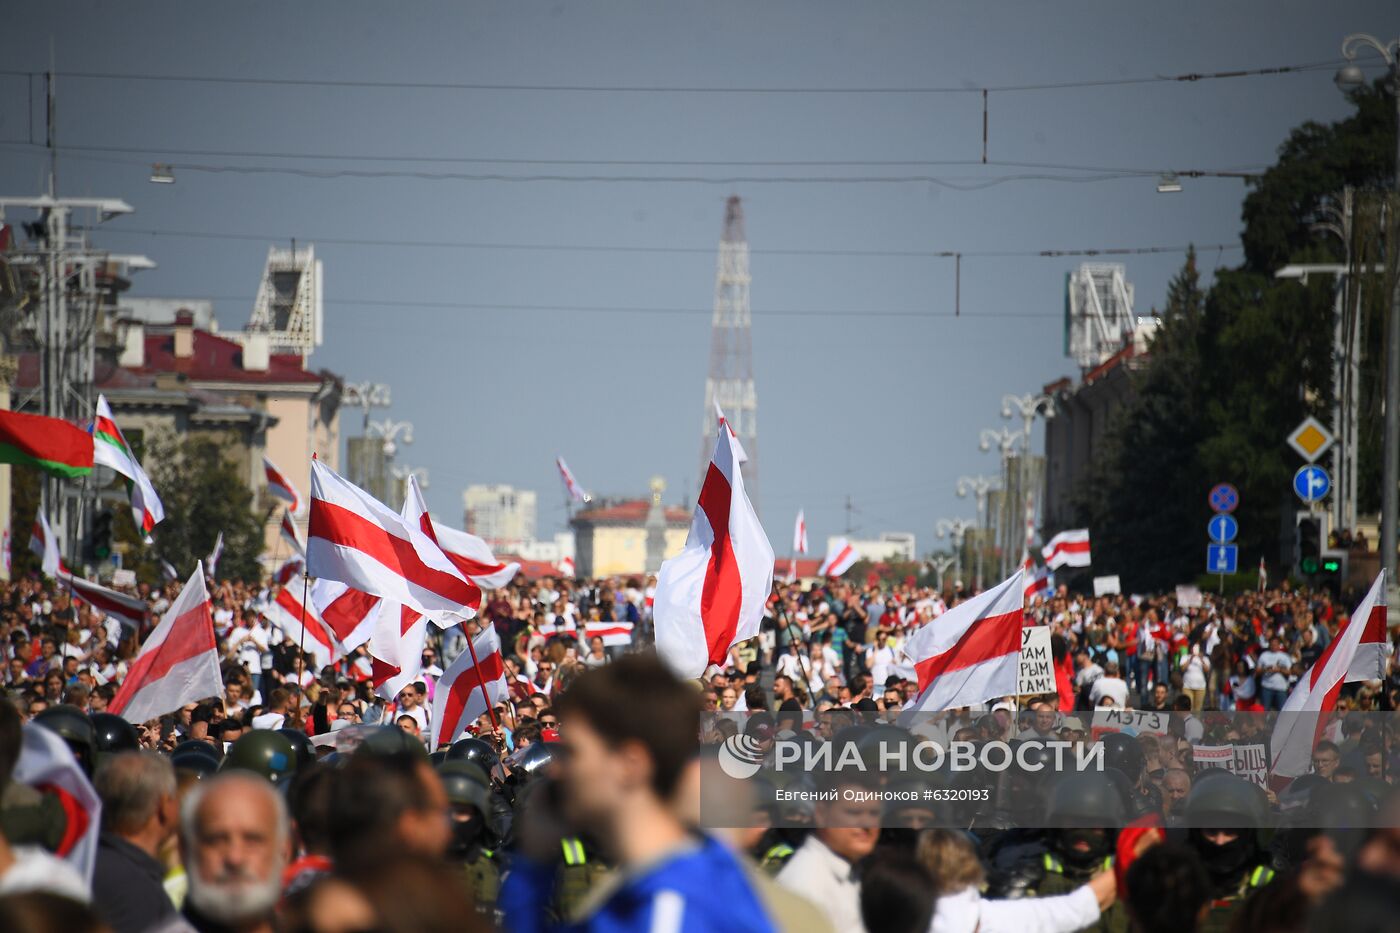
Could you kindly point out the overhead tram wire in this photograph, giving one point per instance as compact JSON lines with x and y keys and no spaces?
{"x":1183,"y":78}
{"x":690,"y":250}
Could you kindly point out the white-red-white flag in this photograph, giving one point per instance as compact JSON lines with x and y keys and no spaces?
{"x":1037,"y":581}
{"x":972,"y":652}
{"x":356,"y":539}
{"x":178,"y":664}
{"x":473,"y":557}
{"x":712,"y":594}
{"x":46,"y":762}
{"x":565,"y":567}
{"x":415,"y":512}
{"x":468,"y":688}
{"x":300,"y":622}
{"x":840,"y":557}
{"x":45,"y":546}
{"x":571,"y":485}
{"x":396,"y":648}
{"x":614,"y":634}
{"x":1301,"y":723}
{"x":350,"y":613}
{"x":740,"y":454}
{"x":128,"y":610}
{"x":288,"y":530}
{"x":290,"y":568}
{"x":278,"y":485}
{"x":799,"y":534}
{"x":1067,"y":549}
{"x":211,"y":563}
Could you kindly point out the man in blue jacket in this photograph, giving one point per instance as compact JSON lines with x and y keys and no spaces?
{"x":628,"y":731}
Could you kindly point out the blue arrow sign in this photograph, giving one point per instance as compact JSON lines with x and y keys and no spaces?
{"x":1223,"y":529}
{"x":1312,"y":483}
{"x":1224,"y":498}
{"x":1222,"y":558}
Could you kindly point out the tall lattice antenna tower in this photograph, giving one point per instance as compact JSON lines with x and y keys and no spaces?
{"x":730,"y":385}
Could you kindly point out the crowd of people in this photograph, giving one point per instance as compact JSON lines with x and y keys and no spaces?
{"x":589,"y":797}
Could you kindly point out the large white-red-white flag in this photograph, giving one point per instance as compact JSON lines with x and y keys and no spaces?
{"x":468,"y":688}
{"x":350,"y":613}
{"x":473,"y":557}
{"x":711,"y":595}
{"x":571,"y":485}
{"x":356,"y":539}
{"x":840,"y":557}
{"x":1067,"y":549}
{"x":740,"y":454}
{"x":281,"y":487}
{"x":1304,"y":716}
{"x":300,"y":622}
{"x":45,"y":546}
{"x":972,"y":652}
{"x":614,"y":634}
{"x":396,"y":648}
{"x":178,"y":664}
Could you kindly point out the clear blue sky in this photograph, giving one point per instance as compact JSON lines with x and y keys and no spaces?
{"x":884,"y":408}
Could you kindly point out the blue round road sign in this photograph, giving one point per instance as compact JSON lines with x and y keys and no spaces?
{"x":1223,"y":528}
{"x":1224,"y":498}
{"x":1312,"y":483}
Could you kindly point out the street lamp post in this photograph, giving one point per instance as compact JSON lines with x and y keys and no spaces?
{"x":979,"y":486}
{"x":1349,"y":78}
{"x":391,"y":430}
{"x":1005,"y":440}
{"x":365,"y":395}
{"x":940,"y":564}
{"x":1029,"y":406}
{"x":955,"y":528}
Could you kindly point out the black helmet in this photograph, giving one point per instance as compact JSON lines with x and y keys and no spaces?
{"x":1222,"y":800}
{"x":474,"y":750}
{"x":1124,"y":753}
{"x":436,"y":758}
{"x":531,"y":762}
{"x":306,"y":751}
{"x":1085,"y":798}
{"x":389,"y":741}
{"x":114,"y":734}
{"x":465,"y":784}
{"x":195,"y":756}
{"x":264,"y":752}
{"x":72,"y":725}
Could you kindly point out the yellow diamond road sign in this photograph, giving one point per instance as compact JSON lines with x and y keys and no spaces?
{"x":1311,"y":439}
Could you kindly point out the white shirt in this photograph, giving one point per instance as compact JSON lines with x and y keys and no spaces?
{"x":1274,"y":680}
{"x":966,"y":911}
{"x":1115,"y":687}
{"x":827,"y":880}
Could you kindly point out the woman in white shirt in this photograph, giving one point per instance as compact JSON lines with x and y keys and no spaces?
{"x":1194,"y":671}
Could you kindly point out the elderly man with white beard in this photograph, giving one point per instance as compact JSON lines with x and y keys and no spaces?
{"x":235,"y":839}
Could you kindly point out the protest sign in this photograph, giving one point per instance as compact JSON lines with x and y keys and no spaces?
{"x":1107,"y":586}
{"x":1037,"y":671}
{"x":1132,"y":721}
{"x":1189,"y":597}
{"x":1247,"y":761}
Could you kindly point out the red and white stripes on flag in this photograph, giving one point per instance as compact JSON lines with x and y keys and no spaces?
{"x":46,"y":762}
{"x":970,"y":653}
{"x":840,"y":557}
{"x":565,"y":567}
{"x":359,"y":541}
{"x":128,"y":610}
{"x":288,"y":530}
{"x":612,"y":633}
{"x":302,"y":624}
{"x":396,"y":648}
{"x":711,"y":595}
{"x":473,"y":557}
{"x":799,"y":534}
{"x":110,"y":449}
{"x":740,"y":454}
{"x":468,"y":688}
{"x":1037,"y":581}
{"x":350,"y":613}
{"x":178,"y":664}
{"x":571,"y":485}
{"x":45,"y":546}
{"x":1067,"y":549}
{"x":290,"y":568}
{"x":278,"y":485}
{"x":1301,"y":723}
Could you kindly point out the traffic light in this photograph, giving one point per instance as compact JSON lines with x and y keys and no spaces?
{"x":100,"y":545}
{"x":1307,"y":545}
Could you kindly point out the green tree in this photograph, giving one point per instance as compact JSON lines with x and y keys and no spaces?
{"x":203,"y":493}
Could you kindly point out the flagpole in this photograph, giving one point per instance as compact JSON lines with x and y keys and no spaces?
{"x":305,"y":587}
{"x":480,"y":681}
{"x":806,"y":662}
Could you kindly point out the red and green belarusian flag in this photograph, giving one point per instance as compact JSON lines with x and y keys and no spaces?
{"x":111,"y":449}
{"x":51,"y":444}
